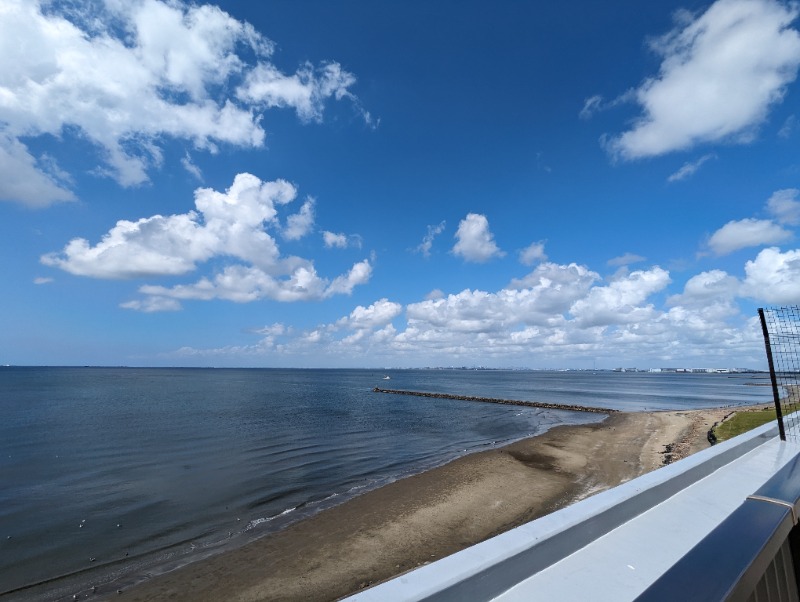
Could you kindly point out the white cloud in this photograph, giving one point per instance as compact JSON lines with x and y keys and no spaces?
{"x":189,"y":166}
{"x":559,"y":315}
{"x":230,"y":225}
{"x":301,"y":223}
{"x":427,"y":242}
{"x":273,"y":330}
{"x":42,"y":280}
{"x":774,"y":277}
{"x":547,"y":293}
{"x":306,"y":91}
{"x":707,"y":287}
{"x":533,"y":253}
{"x":333,"y":240}
{"x":689,"y":169}
{"x":719,"y":76}
{"x":339,"y":240}
{"x":377,"y":315}
{"x":152,"y":304}
{"x":245,"y":284}
{"x":744,"y":233}
{"x":785,"y":206}
{"x":127,"y":75}
{"x":474,"y":241}
{"x":22,"y":180}
{"x":359,"y":274}
{"x":553,"y":288}
{"x":626,"y":259}
{"x":620,"y":301}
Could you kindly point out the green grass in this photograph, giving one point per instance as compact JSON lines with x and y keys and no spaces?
{"x":742,"y":422}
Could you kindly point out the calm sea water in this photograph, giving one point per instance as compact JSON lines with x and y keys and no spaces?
{"x":107,"y":474}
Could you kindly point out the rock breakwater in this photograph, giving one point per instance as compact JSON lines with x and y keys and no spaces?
{"x":509,"y":402}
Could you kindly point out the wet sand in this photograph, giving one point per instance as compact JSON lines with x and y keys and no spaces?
{"x":428,"y":516}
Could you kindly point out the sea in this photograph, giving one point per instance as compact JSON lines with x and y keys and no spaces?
{"x":111,"y":475}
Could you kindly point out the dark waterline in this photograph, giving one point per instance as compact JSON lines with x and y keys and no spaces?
{"x":107,"y":472}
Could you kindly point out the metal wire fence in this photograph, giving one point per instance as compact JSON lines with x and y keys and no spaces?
{"x":781,"y":326}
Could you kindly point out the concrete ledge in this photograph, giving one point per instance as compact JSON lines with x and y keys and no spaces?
{"x":490,"y":568}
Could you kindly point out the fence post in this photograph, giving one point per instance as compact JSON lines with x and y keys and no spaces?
{"x":772,"y":376}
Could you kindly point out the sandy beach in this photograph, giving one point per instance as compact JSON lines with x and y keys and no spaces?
{"x":419,"y":519}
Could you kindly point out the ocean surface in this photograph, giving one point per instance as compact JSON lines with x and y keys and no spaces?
{"x":108,"y":474}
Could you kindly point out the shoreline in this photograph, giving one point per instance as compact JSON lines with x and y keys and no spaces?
{"x":416,"y":520}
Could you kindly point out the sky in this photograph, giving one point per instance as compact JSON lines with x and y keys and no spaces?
{"x":397,"y":184}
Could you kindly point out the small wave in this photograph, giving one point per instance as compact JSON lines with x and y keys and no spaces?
{"x":258,"y":521}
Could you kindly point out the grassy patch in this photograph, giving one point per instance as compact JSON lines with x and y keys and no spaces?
{"x":742,"y":422}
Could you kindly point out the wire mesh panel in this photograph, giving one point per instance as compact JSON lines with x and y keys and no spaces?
{"x":781,"y":326}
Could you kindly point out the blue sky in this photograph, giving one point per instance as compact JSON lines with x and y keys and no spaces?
{"x":369,"y":184}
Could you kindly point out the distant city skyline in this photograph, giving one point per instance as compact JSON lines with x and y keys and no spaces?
{"x":317,"y":184}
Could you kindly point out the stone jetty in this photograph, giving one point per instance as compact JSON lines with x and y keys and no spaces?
{"x":508,"y":402}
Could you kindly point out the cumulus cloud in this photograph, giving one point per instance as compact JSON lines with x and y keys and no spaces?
{"x":553,"y":288}
{"x":621,"y":301}
{"x":333,"y":240}
{"x":533,"y":253}
{"x":773,"y":276}
{"x":785,"y":206}
{"x":689,"y":169}
{"x":126,"y":76}
{"x":720,"y":74}
{"x":301,"y":223}
{"x":707,"y":287}
{"x":230,"y":225}
{"x":474,"y":240}
{"x":556,"y":315}
{"x":244,"y":284}
{"x":306,"y":91}
{"x":744,"y":233}
{"x":377,"y":315}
